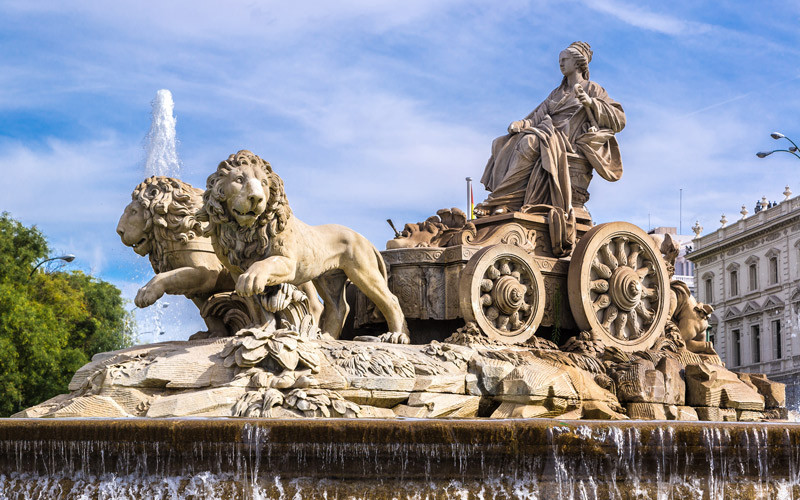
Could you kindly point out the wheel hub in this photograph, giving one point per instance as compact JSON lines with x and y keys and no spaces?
{"x":625,"y":288}
{"x":509,"y":294}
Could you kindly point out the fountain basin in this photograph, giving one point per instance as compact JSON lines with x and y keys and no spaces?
{"x":400,"y":458}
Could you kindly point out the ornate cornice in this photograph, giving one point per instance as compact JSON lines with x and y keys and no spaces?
{"x":742,"y":238}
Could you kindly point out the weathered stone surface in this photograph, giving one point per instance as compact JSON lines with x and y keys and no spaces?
{"x":382,"y":383}
{"x":381,"y":399}
{"x":646,"y":411}
{"x":91,"y":406}
{"x":441,"y":405}
{"x":42,"y":409}
{"x":375,"y":412}
{"x":410,"y":411}
{"x":714,"y":414}
{"x":600,"y":410}
{"x":516,"y":410}
{"x":473,"y":385}
{"x":774,"y":392}
{"x":749,"y":416}
{"x":675,"y":412}
{"x":639,"y":381}
{"x":535,"y":382}
{"x":710,"y":385}
{"x":674,"y":383}
{"x":209,"y":402}
{"x":454,"y":384}
{"x":776,"y":413}
{"x":490,"y":372}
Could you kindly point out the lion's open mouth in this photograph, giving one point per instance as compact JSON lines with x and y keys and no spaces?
{"x":139,"y":243}
{"x":245,"y":214}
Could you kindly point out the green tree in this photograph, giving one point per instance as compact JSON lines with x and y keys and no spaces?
{"x":51,"y":324}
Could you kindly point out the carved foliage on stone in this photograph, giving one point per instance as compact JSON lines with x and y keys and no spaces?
{"x":364,"y":361}
{"x":301,"y":402}
{"x":283,"y":349}
{"x":447,"y":352}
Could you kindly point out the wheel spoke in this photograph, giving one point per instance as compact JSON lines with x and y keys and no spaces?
{"x":599,"y":286}
{"x":633,"y":257}
{"x":622,"y":256}
{"x":605,"y":251}
{"x":611,"y":315}
{"x":602,"y":302}
{"x":619,"y":324}
{"x":601,"y":269}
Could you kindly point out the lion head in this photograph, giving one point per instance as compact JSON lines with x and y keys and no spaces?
{"x":246,"y":206}
{"x":162,"y":209}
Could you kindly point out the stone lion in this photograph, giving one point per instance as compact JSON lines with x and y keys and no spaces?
{"x":263,"y":244}
{"x":691,"y":318}
{"x":159,"y":222}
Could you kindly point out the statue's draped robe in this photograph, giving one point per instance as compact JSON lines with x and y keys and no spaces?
{"x":530,"y":167}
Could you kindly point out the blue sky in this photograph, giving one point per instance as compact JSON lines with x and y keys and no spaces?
{"x":373,"y":110}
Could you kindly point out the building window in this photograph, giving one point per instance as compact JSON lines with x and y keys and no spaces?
{"x":734,"y":283}
{"x":773,"y":270}
{"x":709,"y":290}
{"x":710,"y":335}
{"x":753,"y":276}
{"x":736,"y":352}
{"x":755,"y":336}
{"x":777,"y":340}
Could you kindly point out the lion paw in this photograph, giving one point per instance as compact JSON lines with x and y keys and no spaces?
{"x":147,"y":296}
{"x":389,"y":337}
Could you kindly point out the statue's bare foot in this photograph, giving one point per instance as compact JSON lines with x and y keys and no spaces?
{"x":390,"y":337}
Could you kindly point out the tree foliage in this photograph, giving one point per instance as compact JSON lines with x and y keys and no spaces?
{"x":51,"y":323}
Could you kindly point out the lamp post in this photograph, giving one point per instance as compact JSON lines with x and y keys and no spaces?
{"x":793,"y":149}
{"x":66,"y":258}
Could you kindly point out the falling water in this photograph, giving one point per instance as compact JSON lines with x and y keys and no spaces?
{"x":235,"y":458}
{"x":160,"y":142}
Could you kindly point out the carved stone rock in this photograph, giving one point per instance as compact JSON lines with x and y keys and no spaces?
{"x":774,"y":392}
{"x":714,"y":386}
{"x":646,"y":411}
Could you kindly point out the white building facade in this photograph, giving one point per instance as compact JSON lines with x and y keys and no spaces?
{"x":749,"y":271}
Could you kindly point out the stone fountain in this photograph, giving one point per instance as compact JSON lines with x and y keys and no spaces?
{"x":525,"y":353}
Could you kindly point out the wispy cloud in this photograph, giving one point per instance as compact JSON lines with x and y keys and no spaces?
{"x":642,"y":18}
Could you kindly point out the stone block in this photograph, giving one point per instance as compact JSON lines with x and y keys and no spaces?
{"x":600,"y":410}
{"x":410,"y":411}
{"x":774,"y":392}
{"x":674,"y":383}
{"x":515,"y":410}
{"x":445,"y":405}
{"x":473,"y":386}
{"x":382,"y":383}
{"x":536,"y":382}
{"x":91,"y":406}
{"x":639,"y":382}
{"x":381,"y":399}
{"x":677,"y":412}
{"x":454,"y":384}
{"x":749,"y":416}
{"x":375,"y":412}
{"x":714,"y":414}
{"x":774,"y":413}
{"x":210,"y":402}
{"x":646,"y":411}
{"x":710,"y":385}
{"x":490,"y":372}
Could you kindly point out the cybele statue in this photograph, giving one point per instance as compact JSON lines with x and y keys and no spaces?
{"x":529,"y":310}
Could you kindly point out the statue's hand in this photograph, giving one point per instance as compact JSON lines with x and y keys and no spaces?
{"x":516,"y":126}
{"x":254,"y":280}
{"x":583,"y":97}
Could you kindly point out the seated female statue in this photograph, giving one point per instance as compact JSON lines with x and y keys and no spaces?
{"x":529,"y":166}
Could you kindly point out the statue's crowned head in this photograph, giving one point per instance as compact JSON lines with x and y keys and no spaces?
{"x":582,"y":53}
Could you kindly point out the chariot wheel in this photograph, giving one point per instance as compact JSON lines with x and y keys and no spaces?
{"x":618,"y":286}
{"x":502,"y":290}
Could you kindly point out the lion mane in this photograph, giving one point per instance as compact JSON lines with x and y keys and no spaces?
{"x":169,"y":206}
{"x":243,"y":245}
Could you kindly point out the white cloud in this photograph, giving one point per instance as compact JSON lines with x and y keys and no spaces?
{"x":644,"y":19}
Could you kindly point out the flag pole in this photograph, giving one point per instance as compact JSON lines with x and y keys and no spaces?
{"x":470,"y":203}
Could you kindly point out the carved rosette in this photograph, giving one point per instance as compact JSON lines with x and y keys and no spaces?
{"x":619,"y":286}
{"x":502,"y":290}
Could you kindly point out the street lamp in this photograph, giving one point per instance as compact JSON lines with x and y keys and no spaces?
{"x":777,"y":135}
{"x":66,"y":258}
